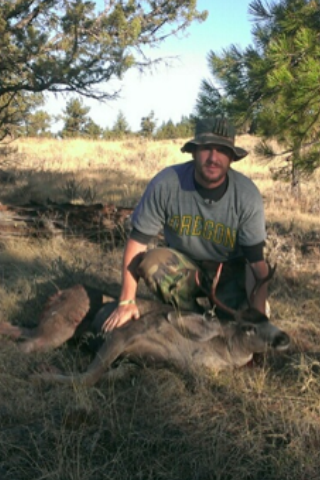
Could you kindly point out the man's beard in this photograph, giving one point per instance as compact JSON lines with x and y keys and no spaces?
{"x":215,"y":177}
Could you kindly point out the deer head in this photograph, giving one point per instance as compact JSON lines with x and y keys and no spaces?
{"x":252,"y":325}
{"x":258,"y":284}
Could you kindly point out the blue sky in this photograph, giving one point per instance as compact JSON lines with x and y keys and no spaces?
{"x":171,"y":91}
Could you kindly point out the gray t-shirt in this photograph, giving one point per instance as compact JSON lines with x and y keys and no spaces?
{"x":203,"y":231}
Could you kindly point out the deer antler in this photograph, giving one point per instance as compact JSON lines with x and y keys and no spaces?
{"x":212,"y":294}
{"x":215,"y":300}
{"x":260,"y":281}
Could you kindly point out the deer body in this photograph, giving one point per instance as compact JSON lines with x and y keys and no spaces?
{"x":66,"y":314}
{"x":187,"y":342}
{"x":161,"y":336}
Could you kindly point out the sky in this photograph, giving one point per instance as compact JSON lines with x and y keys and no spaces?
{"x":171,"y":91}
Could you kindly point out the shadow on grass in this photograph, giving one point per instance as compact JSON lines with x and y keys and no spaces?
{"x":153,"y":425}
{"x":89,"y":186}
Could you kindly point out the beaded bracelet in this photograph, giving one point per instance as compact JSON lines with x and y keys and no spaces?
{"x":126,"y":302}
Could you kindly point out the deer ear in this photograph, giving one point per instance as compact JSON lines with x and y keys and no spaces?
{"x":194,"y":326}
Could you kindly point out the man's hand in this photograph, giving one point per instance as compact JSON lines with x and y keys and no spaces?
{"x":120,"y":316}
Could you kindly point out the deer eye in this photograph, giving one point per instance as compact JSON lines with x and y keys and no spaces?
{"x":249,"y":330}
{"x":209,"y":315}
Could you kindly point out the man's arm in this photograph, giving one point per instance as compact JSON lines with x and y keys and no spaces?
{"x":261,"y":271}
{"x":127,"y":311}
{"x":147,"y":219}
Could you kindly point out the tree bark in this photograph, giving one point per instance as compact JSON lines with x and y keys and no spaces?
{"x":295,"y":181}
{"x":96,"y":222}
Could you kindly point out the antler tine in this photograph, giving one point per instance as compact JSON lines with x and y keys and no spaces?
{"x":214,"y":282}
{"x":214,"y":299}
{"x":216,"y":279}
{"x":212,"y":294}
{"x":260,"y":281}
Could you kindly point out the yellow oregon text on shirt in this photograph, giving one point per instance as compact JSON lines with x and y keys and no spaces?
{"x":217,"y":233}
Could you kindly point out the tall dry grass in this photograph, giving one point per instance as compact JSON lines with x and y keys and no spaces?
{"x":254,"y":423}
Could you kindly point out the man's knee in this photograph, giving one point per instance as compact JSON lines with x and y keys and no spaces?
{"x":170,"y":275}
{"x":154,"y":260}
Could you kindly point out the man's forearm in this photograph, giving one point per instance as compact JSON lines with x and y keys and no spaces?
{"x":255,"y":272}
{"x":131,"y":260}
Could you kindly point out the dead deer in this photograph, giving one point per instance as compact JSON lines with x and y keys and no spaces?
{"x":184,"y":341}
{"x":67,"y":314}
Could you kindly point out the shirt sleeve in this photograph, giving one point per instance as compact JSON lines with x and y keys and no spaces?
{"x":254,"y":253}
{"x":252,"y":229}
{"x":140,"y":237}
{"x":149,"y":215}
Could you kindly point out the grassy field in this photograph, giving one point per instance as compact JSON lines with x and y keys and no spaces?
{"x":254,"y":423}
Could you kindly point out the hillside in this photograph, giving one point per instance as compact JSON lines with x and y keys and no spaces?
{"x":254,"y":423}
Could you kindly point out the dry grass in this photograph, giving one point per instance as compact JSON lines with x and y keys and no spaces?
{"x":250,"y":424}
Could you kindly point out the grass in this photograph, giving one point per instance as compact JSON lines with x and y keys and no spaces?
{"x":253,"y":423}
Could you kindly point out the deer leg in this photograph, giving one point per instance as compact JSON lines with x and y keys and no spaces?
{"x":111,"y":349}
{"x":114,"y":345}
{"x":30,"y":341}
{"x":15,"y":332}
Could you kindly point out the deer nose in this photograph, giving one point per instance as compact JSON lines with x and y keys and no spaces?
{"x":281,"y":341}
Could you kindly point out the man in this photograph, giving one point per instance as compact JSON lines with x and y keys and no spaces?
{"x":210,"y":214}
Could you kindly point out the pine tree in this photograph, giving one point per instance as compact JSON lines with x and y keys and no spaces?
{"x":38,"y":124}
{"x":170,"y":130}
{"x":15,"y":112}
{"x":75,"y":118}
{"x":185,"y":128}
{"x":92,"y":130}
{"x":291,"y":92}
{"x":80,"y":46}
{"x":272,"y":87}
{"x":148,"y":125}
{"x":121,"y":127}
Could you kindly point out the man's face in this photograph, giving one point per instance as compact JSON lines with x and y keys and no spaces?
{"x":212,"y":163}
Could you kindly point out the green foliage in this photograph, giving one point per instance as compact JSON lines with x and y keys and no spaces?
{"x":185,"y":128}
{"x":75,"y":118}
{"x":210,"y":101}
{"x":233,"y":89}
{"x":92,"y":130}
{"x":167,"y":130}
{"x":120,"y":129}
{"x":148,"y":125}
{"x":79,"y":45}
{"x":182,"y":129}
{"x":272,"y":88}
{"x":292,"y":84}
{"x":107,"y":134}
{"x":38,"y":124}
{"x":15,"y":110}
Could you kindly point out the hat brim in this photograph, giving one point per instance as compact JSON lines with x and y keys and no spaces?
{"x":238,"y":152}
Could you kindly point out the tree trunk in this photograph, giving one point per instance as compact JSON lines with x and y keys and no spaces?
{"x":98,"y":222}
{"x":295,"y":178}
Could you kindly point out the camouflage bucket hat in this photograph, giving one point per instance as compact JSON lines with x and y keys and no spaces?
{"x":215,"y":131}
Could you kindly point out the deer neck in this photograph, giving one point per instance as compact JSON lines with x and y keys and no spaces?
{"x":237,"y":349}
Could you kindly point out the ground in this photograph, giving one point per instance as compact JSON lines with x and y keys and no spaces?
{"x":258,"y":422}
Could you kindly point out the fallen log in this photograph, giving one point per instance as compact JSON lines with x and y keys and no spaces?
{"x":96,"y":222}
